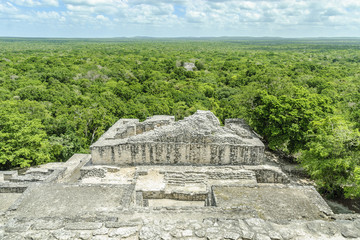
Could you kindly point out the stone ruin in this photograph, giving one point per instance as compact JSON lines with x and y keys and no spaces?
{"x":167,"y":179}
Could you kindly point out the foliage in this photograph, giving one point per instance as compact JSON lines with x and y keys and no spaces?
{"x":332,"y":155}
{"x":58,"y":96}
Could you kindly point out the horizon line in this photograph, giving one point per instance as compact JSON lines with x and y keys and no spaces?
{"x":181,"y":37}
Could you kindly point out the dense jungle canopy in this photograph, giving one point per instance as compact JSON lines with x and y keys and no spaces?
{"x":57,"y":96}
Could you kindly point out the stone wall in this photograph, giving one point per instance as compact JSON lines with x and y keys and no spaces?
{"x":177,"y":153}
{"x":196,"y":140}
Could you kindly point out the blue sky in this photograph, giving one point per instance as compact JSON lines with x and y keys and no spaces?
{"x":179,"y":18}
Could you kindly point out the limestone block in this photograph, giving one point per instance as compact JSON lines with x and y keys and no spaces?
{"x":196,"y":140}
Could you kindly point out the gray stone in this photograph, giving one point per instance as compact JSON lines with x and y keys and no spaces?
{"x":288,"y":234}
{"x":101,"y":231}
{"x":350,"y":232}
{"x":147,"y":233}
{"x":85,"y":235}
{"x":168,"y":227}
{"x":47,"y":224}
{"x":123,"y":232}
{"x":187,"y":233}
{"x":322,"y":227}
{"x":12,"y":236}
{"x":177,"y":233}
{"x":121,"y":224}
{"x":198,"y":140}
{"x":101,"y":237}
{"x":14,"y":226}
{"x":166,"y":236}
{"x":231,"y":235}
{"x":196,"y":226}
{"x":243,"y":226}
{"x":64,"y":234}
{"x":208,"y":222}
{"x":260,"y":236}
{"x":200,"y":233}
{"x":38,"y":235}
{"x":83,"y":226}
{"x":274,"y":235}
{"x":246,"y":235}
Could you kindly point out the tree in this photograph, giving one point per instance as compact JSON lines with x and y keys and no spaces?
{"x":23,"y":140}
{"x":332,"y":156}
{"x":284,"y":120}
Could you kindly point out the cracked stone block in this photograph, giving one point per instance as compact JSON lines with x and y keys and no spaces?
{"x":246,"y":235}
{"x":350,"y":233}
{"x":101,"y":231}
{"x":48,"y":224}
{"x":166,"y":236}
{"x":176,"y":233}
{"x":123,"y":232}
{"x":187,"y":233}
{"x":85,"y":235}
{"x":64,"y":235}
{"x":101,"y":237}
{"x":38,"y":235}
{"x":200,"y":233}
{"x":242,"y":225}
{"x":14,"y":226}
{"x":258,"y":225}
{"x":147,"y":233}
{"x":323,"y":227}
{"x":12,"y":237}
{"x":232,"y":235}
{"x":274,"y":235}
{"x":83,"y":226}
{"x":121,"y":224}
{"x":260,"y":236}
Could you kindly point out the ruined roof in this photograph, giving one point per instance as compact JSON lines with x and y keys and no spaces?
{"x":201,"y":127}
{"x":197,"y":139}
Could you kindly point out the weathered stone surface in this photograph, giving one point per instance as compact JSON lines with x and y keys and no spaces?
{"x":83,"y":226}
{"x":260,"y":236}
{"x":101,"y":231}
{"x":187,"y":233}
{"x":323,"y":227}
{"x":15,"y":226}
{"x":172,"y":201}
{"x":64,"y":235}
{"x":123,"y":232}
{"x":232,"y":235}
{"x":121,"y":224}
{"x":198,"y":140}
{"x":246,"y":235}
{"x":85,"y":235}
{"x":147,"y":233}
{"x":276,"y":202}
{"x":38,"y":235}
{"x":350,"y":232}
{"x":47,"y":224}
{"x":70,"y":200}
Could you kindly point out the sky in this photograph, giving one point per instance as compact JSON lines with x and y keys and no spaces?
{"x":179,"y":18}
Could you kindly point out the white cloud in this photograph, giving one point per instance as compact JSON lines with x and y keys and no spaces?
{"x":102,"y":18}
{"x":26,"y":3}
{"x":54,"y":3}
{"x":7,"y":8}
{"x":192,"y":17}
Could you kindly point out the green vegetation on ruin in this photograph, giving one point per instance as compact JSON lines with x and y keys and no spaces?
{"x":57,"y":96}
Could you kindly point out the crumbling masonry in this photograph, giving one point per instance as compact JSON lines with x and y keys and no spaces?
{"x":167,"y":179}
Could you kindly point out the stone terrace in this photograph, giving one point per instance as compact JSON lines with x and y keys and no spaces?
{"x":161,"y":179}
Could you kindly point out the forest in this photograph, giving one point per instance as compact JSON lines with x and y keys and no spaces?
{"x":57,"y":96}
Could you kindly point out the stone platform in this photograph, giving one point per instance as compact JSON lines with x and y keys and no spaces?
{"x":161,"y":179}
